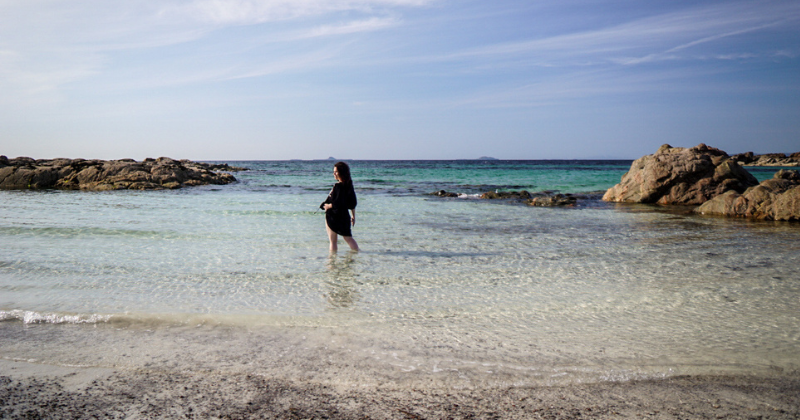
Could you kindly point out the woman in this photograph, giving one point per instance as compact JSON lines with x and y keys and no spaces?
{"x":339,"y":205}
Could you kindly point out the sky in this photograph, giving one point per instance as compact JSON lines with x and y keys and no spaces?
{"x":396,"y":79}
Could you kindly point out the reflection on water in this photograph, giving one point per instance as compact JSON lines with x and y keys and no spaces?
{"x":342,"y":293}
{"x":433,"y":254}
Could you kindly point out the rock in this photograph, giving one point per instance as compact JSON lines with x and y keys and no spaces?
{"x":788,"y":174}
{"x":744,"y":158}
{"x":539,"y":199}
{"x":27,"y":176}
{"x":443,"y":193}
{"x":224,"y":167}
{"x":768,"y":159}
{"x":100,"y":175}
{"x":21,"y":161}
{"x":504,"y":195}
{"x":773,"y":199}
{"x":553,"y":200}
{"x":677,"y":175}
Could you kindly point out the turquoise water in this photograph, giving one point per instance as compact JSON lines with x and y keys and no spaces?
{"x":456,"y":290}
{"x":421,"y":177}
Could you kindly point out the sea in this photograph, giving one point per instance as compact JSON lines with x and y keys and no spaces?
{"x":446,"y":291}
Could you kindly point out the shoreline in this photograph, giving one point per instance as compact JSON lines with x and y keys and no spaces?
{"x":41,"y":391}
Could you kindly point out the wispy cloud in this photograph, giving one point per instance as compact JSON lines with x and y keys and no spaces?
{"x":366,"y":25}
{"x":243,"y":12}
{"x":581,"y":86}
{"x":647,"y":39}
{"x":671,"y":52}
{"x":786,"y":54}
{"x":28,"y":79}
{"x":315,"y":59}
{"x":46,"y":45}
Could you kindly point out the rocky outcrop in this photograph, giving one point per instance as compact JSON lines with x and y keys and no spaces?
{"x":774,"y":199}
{"x":506,"y":195}
{"x":769,"y":159}
{"x":537,"y":199}
{"x":540,"y":199}
{"x":555,"y":200}
{"x":677,"y":175}
{"x":443,"y":193}
{"x":102,"y":175}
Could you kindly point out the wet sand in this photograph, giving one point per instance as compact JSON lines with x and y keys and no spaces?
{"x":29,"y":390}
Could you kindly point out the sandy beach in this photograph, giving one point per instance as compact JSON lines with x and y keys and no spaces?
{"x":29,"y":390}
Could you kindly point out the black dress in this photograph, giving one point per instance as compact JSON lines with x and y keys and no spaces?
{"x":343,"y":198}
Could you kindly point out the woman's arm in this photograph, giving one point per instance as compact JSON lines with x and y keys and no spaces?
{"x":332,"y":201}
{"x":353,"y":217}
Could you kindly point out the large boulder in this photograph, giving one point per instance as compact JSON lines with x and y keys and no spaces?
{"x":774,"y":199}
{"x":677,"y":175}
{"x":100,"y":175}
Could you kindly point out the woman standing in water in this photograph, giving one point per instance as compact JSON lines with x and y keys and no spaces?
{"x":339,"y":205}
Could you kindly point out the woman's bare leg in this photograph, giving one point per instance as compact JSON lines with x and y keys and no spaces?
{"x":352,"y":242}
{"x":333,"y":237}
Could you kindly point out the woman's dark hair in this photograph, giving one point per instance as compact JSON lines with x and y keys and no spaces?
{"x":344,"y":172}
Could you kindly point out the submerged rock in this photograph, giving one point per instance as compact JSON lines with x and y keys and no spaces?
{"x":443,"y":193}
{"x":773,"y":199}
{"x":101,"y":175}
{"x":553,"y":200}
{"x":537,"y":199}
{"x":505,"y":195}
{"x":677,"y":175}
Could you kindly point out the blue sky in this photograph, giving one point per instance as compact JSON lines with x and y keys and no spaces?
{"x":396,"y":79}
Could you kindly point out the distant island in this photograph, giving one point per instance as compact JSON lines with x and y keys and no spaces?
{"x":486,"y":158}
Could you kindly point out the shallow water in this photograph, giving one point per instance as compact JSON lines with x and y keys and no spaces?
{"x":462,"y":291}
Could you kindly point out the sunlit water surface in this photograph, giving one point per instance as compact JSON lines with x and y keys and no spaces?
{"x":460,"y":291}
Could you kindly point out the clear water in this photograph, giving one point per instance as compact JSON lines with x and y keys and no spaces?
{"x":446,"y":290}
